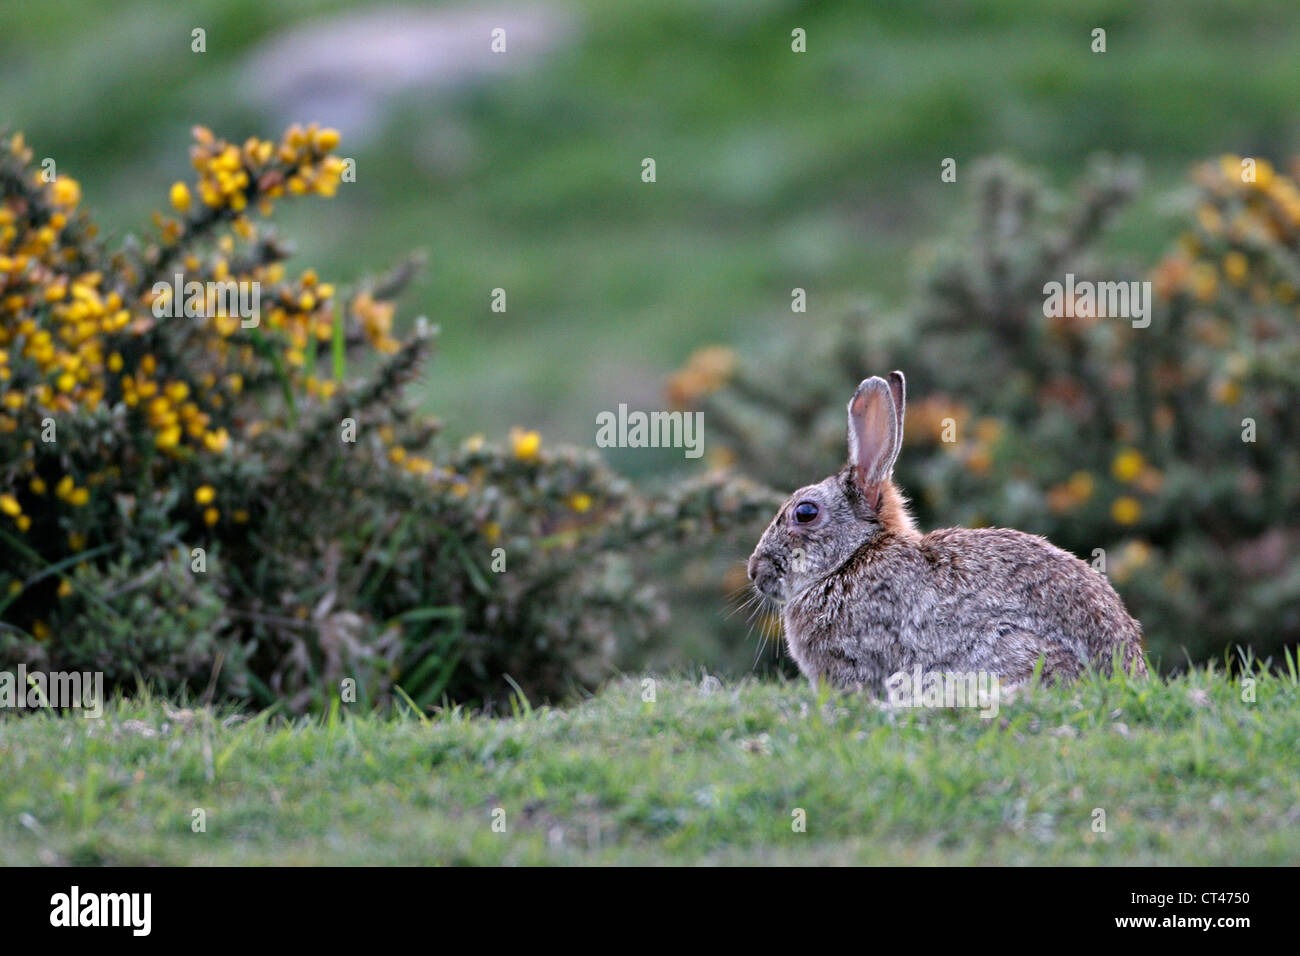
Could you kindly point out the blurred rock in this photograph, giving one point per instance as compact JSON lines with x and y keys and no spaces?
{"x":345,"y":71}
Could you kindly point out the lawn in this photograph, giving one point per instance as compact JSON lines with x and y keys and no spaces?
{"x":1186,"y":770}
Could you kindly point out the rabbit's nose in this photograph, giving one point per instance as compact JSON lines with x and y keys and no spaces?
{"x":752,"y":568}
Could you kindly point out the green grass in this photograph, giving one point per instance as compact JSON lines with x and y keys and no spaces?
{"x":1186,"y":771}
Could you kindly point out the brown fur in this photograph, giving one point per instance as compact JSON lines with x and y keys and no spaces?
{"x":864,"y":595}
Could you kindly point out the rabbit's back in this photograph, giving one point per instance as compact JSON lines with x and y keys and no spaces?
{"x":1029,"y":592}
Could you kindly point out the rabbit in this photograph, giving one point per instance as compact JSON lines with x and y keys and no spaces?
{"x":864,"y":595}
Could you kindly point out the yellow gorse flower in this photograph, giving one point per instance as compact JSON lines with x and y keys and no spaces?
{"x":180,"y":197}
{"x":1125,"y":510}
{"x":1235,"y":267}
{"x":1128,"y":464}
{"x":525,"y":445}
{"x":66,"y":191}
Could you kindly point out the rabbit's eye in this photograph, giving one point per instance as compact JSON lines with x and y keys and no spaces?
{"x":804,"y":512}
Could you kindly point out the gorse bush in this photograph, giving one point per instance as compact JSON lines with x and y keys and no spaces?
{"x":209,"y":496}
{"x":1167,"y":454}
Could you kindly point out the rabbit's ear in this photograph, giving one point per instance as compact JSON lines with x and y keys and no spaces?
{"x":898,"y":389}
{"x":873,"y":436}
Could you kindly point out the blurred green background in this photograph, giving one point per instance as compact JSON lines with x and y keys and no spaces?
{"x":522,"y":171}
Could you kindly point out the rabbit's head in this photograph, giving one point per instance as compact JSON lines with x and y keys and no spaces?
{"x":821,"y":526}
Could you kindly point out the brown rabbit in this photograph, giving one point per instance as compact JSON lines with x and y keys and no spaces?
{"x":865,"y":595}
